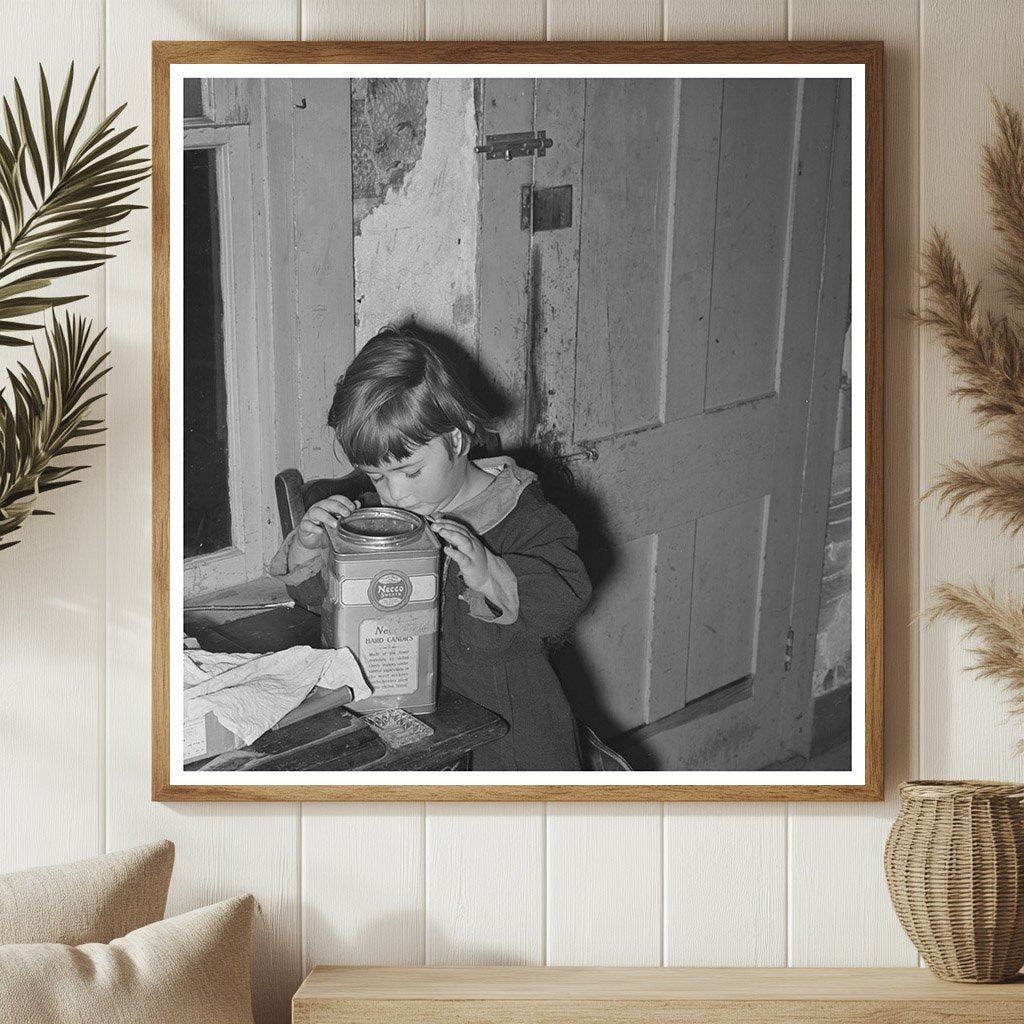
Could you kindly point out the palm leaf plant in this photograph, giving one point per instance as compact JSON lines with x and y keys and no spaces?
{"x":63,"y":190}
{"x":987,"y":354}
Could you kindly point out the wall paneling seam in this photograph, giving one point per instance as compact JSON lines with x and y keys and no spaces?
{"x":787,"y":882}
{"x":300,"y":884}
{"x":104,"y":674}
{"x":544,"y":885}
{"x":919,"y":383}
{"x":914,"y":639}
{"x":661,"y":874}
{"x":424,"y":877}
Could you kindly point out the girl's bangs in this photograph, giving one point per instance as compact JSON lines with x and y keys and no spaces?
{"x":389,"y":433}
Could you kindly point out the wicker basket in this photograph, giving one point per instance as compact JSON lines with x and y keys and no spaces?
{"x":954,"y":861}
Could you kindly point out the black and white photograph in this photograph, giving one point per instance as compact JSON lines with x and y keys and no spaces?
{"x":518,"y":420}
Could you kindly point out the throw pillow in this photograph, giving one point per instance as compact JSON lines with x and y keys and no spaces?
{"x":92,"y":900}
{"x":190,"y":969}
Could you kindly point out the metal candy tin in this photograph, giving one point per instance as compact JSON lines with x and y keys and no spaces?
{"x":382,"y":582}
{"x":380,"y":529}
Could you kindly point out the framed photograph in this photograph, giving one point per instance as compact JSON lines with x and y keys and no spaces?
{"x":517,"y":419}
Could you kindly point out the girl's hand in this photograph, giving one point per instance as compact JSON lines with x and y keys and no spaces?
{"x":326,"y":512}
{"x":466,"y":550}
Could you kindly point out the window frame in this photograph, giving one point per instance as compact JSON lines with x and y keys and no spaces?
{"x":240,"y":264}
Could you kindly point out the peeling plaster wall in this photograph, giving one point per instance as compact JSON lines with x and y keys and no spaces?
{"x":389,"y":123}
{"x":415,"y":251}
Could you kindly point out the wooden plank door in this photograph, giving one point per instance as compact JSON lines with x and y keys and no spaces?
{"x":678,"y":349}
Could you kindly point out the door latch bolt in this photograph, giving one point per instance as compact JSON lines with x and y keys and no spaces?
{"x":513,"y":144}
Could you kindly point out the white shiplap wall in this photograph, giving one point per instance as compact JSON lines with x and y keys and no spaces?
{"x":508,"y":883}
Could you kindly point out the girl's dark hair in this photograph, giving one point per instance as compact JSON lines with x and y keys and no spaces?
{"x":397,"y":394}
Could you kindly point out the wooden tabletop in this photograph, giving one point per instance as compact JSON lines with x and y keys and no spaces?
{"x":644,"y":983}
{"x":333,"y":739}
{"x":632,"y":995}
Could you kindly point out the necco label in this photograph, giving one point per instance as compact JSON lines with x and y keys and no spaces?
{"x":388,"y":591}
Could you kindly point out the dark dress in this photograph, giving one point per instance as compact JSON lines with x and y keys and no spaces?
{"x":495,"y":655}
{"x":504,"y":666}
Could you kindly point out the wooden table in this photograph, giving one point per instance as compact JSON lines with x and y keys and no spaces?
{"x":331,"y":739}
{"x":639,"y":995}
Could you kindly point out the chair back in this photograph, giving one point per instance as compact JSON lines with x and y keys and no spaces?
{"x":294,"y":495}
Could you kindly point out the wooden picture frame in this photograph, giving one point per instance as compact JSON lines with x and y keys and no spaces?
{"x":694,"y":456}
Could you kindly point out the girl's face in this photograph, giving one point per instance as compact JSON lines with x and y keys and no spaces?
{"x":428,"y":481}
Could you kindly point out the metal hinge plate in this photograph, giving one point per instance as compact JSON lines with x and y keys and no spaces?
{"x":789,"y":650}
{"x":513,"y":144}
{"x":545,"y":209}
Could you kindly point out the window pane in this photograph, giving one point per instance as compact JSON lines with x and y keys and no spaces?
{"x":206,"y":499}
{"x":193,"y":97}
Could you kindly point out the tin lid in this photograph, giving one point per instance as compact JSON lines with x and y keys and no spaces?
{"x":377,"y":529}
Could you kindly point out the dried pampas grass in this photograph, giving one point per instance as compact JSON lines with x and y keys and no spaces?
{"x":987,"y":353}
{"x":996,"y":630}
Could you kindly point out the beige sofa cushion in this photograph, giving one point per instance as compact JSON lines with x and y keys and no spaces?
{"x":92,"y":900}
{"x":190,"y":969}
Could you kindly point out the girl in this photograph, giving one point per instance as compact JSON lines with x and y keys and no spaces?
{"x":405,"y":419}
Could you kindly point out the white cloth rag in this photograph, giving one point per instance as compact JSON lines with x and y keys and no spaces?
{"x":249,"y":693}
